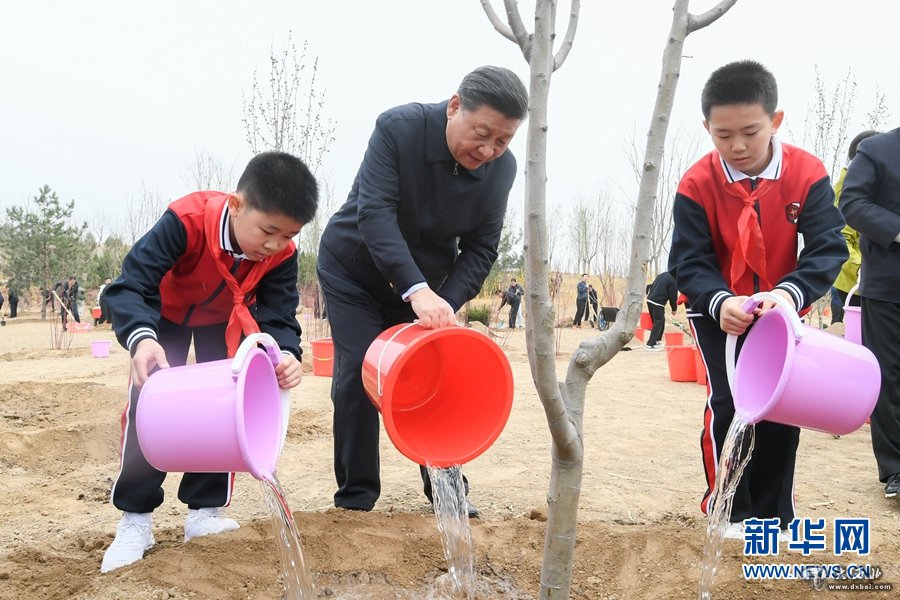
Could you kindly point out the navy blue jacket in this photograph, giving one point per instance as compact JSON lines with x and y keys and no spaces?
{"x":414,"y":214}
{"x":870,"y":201}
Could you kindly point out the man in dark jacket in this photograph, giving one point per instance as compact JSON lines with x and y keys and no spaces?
{"x":662,"y":289}
{"x":416,"y":238}
{"x":513,"y":297}
{"x":870,"y":202}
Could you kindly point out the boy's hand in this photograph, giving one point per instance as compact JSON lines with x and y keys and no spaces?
{"x":148,"y":355}
{"x":769,"y":304}
{"x":289,"y":372}
{"x":732,"y":318}
{"x":433,"y":311}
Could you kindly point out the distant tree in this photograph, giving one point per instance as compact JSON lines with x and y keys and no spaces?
{"x":143,"y":211}
{"x":288,"y":115}
{"x":586,"y":229}
{"x":678,"y":155}
{"x":40,"y":241}
{"x":209,"y":173}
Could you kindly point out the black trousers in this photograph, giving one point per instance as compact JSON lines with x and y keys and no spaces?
{"x":880,"y":331}
{"x":658,"y":316}
{"x":356,"y":317}
{"x":13,"y":308}
{"x":513,"y":313}
{"x":138,"y":487}
{"x":767,"y":485}
{"x":580,"y":306}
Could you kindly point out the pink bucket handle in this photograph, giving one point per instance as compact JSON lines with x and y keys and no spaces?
{"x":274,"y":353}
{"x":749,"y":306}
{"x":850,"y":295}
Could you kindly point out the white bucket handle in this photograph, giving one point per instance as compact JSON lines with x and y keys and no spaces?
{"x":274,"y":353}
{"x":383,"y":348}
{"x":850,"y":295}
{"x":748,"y":307}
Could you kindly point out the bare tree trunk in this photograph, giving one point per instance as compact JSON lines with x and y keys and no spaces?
{"x":564,"y":402}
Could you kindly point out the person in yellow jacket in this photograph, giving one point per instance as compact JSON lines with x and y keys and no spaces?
{"x":849,"y":274}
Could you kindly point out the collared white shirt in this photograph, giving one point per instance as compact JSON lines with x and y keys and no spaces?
{"x":772,"y":170}
{"x":224,"y":237}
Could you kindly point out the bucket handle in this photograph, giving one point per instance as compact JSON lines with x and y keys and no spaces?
{"x":386,"y":344}
{"x":274,"y":353}
{"x":748,"y":307}
{"x":850,"y":295}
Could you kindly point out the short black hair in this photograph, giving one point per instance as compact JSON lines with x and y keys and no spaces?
{"x":740,"y":82}
{"x":498,"y":88}
{"x":851,"y":152}
{"x":278,"y":182}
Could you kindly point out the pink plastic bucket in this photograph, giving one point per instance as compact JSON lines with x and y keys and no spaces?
{"x":216,"y":417}
{"x":444,"y":394}
{"x":852,"y":319}
{"x":794,"y":374}
{"x":100,"y":348}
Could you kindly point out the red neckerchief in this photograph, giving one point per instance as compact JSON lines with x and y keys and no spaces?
{"x":750,"y":251}
{"x":240,"y":321}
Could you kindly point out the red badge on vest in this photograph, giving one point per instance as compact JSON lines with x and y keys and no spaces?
{"x":792,"y":212}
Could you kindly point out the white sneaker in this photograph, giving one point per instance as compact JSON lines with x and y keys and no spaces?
{"x":133,"y":538}
{"x":206,"y":521}
{"x":653,"y":348}
{"x":735,"y":531}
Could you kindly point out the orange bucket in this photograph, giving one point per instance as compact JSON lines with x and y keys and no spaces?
{"x":646,"y":321}
{"x":674,"y":338}
{"x":681,"y":363}
{"x":699,"y":366}
{"x":323,"y":357}
{"x":444,"y":394}
{"x":639,"y":334}
{"x":96,"y":312}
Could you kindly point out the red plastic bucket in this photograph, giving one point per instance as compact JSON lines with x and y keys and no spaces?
{"x":444,"y":394}
{"x":646,"y":321}
{"x":323,"y":357}
{"x":674,"y":338}
{"x":639,"y":334}
{"x":96,"y":312}
{"x":681,"y":363}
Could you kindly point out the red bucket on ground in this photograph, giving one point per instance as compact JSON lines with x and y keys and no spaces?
{"x":444,"y":394}
{"x":681,"y":363}
{"x":674,"y":338}
{"x":96,"y":312}
{"x":323,"y":357}
{"x":646,"y":321}
{"x":639,"y":334}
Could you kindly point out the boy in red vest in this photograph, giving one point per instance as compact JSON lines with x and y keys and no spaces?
{"x":738,"y":212}
{"x":216,"y":266}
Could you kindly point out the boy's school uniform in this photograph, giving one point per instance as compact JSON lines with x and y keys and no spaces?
{"x":738,"y":235}
{"x":172,"y":290}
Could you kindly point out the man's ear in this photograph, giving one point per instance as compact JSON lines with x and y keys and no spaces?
{"x":235,"y":203}
{"x":777,"y":118}
{"x":453,"y":106}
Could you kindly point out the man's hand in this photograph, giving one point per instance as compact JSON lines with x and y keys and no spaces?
{"x":732,"y":318}
{"x":148,"y":355}
{"x":433,"y":311}
{"x":289,"y":372}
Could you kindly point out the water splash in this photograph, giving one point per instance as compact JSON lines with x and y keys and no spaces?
{"x":740,"y":439}
{"x":298,"y":582}
{"x":451,"y":510}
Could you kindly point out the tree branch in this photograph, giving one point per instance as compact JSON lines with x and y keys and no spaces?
{"x":523,"y":38}
{"x":501,"y":27}
{"x":560,"y":57}
{"x":696,"y":22}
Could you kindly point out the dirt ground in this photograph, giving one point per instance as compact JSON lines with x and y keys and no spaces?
{"x":640,"y":533}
